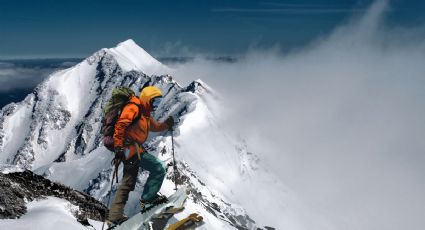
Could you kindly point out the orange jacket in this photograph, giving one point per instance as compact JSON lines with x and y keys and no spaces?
{"x":126,"y":133}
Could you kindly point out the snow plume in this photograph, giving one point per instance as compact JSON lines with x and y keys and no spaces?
{"x":342,"y":122}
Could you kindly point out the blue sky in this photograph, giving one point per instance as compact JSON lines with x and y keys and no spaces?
{"x":53,"y":28}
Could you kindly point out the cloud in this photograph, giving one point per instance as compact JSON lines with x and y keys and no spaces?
{"x":26,"y":74}
{"x":342,"y":121}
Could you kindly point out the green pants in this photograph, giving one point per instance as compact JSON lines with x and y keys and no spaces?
{"x":152,"y":186}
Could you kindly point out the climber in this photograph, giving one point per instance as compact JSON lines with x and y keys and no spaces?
{"x":130,"y":132}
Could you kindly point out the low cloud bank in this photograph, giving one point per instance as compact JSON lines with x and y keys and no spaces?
{"x":27,"y":74}
{"x":342,"y":121}
{"x":18,"y":78}
{"x":15,"y":77}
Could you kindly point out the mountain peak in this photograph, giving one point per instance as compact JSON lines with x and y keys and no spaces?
{"x":131,"y":56}
{"x":128,"y":42}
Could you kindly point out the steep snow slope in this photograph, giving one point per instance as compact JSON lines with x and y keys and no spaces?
{"x":55,"y":132}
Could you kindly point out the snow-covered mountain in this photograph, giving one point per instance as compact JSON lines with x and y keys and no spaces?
{"x":55,"y":132}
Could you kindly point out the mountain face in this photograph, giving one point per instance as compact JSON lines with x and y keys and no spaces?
{"x":55,"y":132}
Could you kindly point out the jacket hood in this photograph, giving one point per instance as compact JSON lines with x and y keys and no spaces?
{"x":147,"y":94}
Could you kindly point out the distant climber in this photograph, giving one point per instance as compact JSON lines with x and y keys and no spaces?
{"x":130,"y":132}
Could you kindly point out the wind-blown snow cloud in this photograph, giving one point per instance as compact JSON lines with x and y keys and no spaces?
{"x":342,"y":121}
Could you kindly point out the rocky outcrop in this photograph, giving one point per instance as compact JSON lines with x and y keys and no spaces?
{"x":18,"y":188}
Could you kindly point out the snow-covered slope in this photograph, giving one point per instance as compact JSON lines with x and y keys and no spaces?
{"x":55,"y":132}
{"x":49,"y":213}
{"x":130,"y":56}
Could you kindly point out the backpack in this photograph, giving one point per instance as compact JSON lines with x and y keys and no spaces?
{"x":120,"y":98}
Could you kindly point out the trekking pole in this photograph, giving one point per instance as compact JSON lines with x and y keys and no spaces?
{"x":114,"y":175}
{"x":174,"y":159}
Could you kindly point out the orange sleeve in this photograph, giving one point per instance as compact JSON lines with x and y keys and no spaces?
{"x":127,"y":115}
{"x":157,"y":126}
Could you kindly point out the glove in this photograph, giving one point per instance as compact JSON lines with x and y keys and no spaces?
{"x":170,"y":123}
{"x":119,"y":155}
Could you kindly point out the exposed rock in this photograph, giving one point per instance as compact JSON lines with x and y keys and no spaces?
{"x":18,"y":188}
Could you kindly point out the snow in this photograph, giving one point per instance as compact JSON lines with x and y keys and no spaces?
{"x":47,"y":214}
{"x":72,"y":82}
{"x":130,"y":56}
{"x":15,"y":129}
{"x":209,"y":220}
{"x":96,"y":161}
{"x":7,"y":168}
{"x":220,"y":159}
{"x":210,"y":153}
